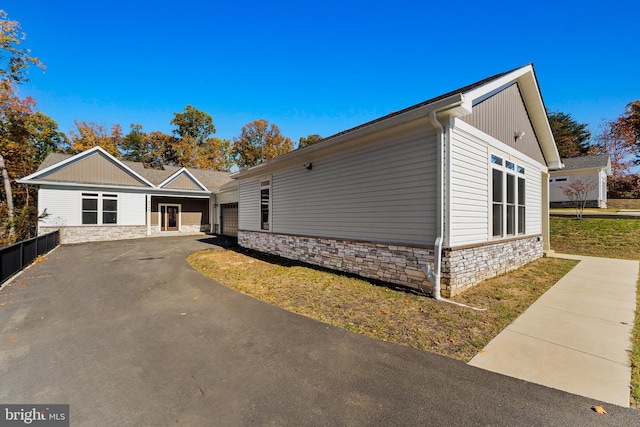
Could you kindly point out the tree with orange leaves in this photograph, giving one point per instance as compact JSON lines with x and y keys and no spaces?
{"x":91,"y":134}
{"x":259,"y":142}
{"x":14,"y":112}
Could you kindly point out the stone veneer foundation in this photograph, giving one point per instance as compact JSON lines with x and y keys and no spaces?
{"x":462,"y":267}
{"x":89,"y":233}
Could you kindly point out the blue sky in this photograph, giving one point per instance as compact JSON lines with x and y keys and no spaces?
{"x":317,"y":67}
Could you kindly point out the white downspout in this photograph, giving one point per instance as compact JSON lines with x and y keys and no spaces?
{"x":435,"y":274}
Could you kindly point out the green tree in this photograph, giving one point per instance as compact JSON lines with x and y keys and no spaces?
{"x":133,"y":146}
{"x":194,"y":143}
{"x":309,"y":140}
{"x":572,"y":138}
{"x":44,"y":137}
{"x":259,"y":142}
{"x":193,"y":123}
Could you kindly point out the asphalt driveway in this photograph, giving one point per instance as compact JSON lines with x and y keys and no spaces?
{"x":128,"y":333}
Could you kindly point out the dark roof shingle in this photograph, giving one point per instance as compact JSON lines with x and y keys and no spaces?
{"x":585,"y":162}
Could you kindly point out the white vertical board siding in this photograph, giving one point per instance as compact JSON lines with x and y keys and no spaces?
{"x":383,"y":191}
{"x":131,"y":208}
{"x":249,"y":205}
{"x":61,"y":204}
{"x":469,"y":181}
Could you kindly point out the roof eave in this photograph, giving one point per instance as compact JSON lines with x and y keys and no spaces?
{"x":112,"y":187}
{"x":454,"y":105}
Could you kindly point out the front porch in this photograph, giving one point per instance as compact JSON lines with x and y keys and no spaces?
{"x":179,"y":215}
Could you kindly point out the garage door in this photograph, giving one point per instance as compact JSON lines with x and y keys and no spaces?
{"x":229,"y":220}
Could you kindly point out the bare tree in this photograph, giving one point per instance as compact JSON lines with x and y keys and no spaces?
{"x":578,"y":192}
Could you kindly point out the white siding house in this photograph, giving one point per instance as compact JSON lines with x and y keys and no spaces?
{"x":587,"y":169}
{"x":93,"y":196}
{"x":456,"y":185}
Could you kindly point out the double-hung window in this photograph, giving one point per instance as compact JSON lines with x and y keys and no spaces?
{"x":110,"y":209}
{"x":508,"y":198}
{"x":90,"y":208}
{"x":99,"y":208}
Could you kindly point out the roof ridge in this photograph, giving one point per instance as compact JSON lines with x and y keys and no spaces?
{"x":431,"y":101}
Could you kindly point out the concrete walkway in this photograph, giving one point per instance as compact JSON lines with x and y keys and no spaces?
{"x":577,"y":336}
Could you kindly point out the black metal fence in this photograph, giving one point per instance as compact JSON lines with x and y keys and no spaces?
{"x":17,"y":256}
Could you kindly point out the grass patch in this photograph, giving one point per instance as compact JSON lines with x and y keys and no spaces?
{"x":624,"y":203}
{"x":383,"y":311}
{"x":603,"y":237}
{"x":610,"y":238}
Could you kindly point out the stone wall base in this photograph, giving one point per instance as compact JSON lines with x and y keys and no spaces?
{"x":464,"y":268}
{"x":390,"y":263}
{"x":206,"y":228}
{"x":400,"y":264}
{"x":89,"y":233}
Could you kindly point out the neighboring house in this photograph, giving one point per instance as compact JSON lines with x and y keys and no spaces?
{"x":594,"y":169}
{"x":93,"y":196}
{"x":459,"y":182}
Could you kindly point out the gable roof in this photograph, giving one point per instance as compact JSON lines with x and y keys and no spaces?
{"x":182,"y":180}
{"x":597,"y":161}
{"x":88,"y":167}
{"x":203,"y":180}
{"x":455,"y":103}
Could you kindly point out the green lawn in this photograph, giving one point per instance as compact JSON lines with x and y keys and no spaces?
{"x":611,"y":238}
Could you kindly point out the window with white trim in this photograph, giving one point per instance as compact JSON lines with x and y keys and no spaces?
{"x":265,"y":204}
{"x":99,"y":208}
{"x":508,"y":198}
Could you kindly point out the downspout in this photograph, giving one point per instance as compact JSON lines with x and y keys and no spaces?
{"x":434,"y":274}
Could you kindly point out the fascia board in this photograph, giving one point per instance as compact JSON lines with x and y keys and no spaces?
{"x":177,"y":174}
{"x":487,"y":90}
{"x":78,"y":157}
{"x":113,"y":187}
{"x":227,"y":190}
{"x":528,"y":84}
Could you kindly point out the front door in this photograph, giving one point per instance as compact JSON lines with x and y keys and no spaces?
{"x":169,"y":218}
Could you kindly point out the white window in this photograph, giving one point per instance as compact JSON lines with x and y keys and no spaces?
{"x":99,"y":208}
{"x":508,"y":198}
